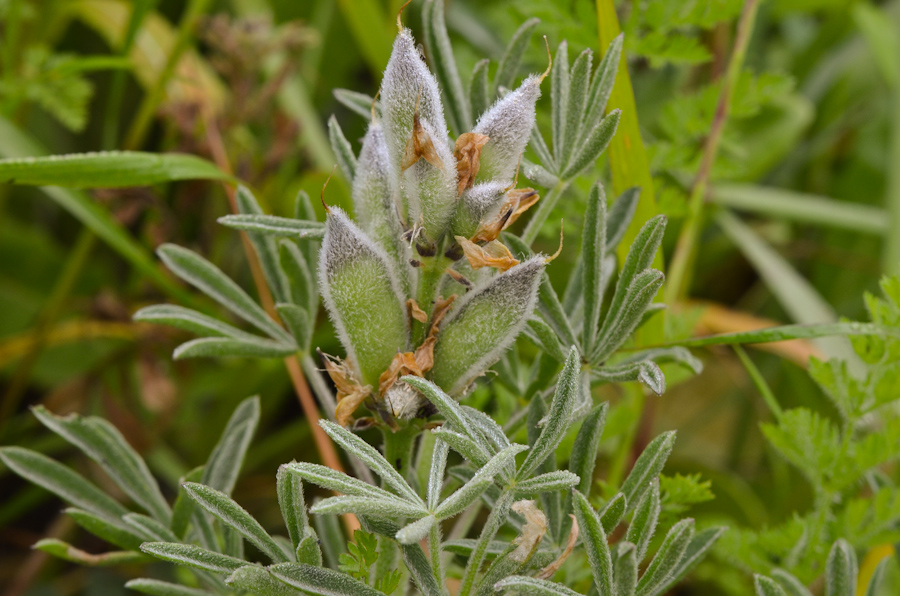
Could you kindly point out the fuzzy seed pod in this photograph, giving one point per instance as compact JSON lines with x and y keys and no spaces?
{"x":416,"y":136}
{"x":508,"y":125}
{"x":375,"y":200}
{"x":484,"y":324}
{"x":476,"y":205}
{"x":362,"y":295}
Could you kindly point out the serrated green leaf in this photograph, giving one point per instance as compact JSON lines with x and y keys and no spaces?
{"x":107,"y":169}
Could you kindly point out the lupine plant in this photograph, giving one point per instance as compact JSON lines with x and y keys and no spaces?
{"x":429,"y":288}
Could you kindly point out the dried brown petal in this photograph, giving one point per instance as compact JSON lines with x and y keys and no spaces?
{"x":493,"y":254}
{"x":516,"y":202}
{"x":524,"y":198}
{"x":350,"y":393}
{"x":419,"y":146}
{"x":468,"y":158}
{"x":404,"y":363}
{"x":459,"y":278}
{"x":415,"y":312}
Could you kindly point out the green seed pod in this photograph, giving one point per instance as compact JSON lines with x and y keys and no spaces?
{"x":362,"y":295}
{"x":476,"y":205}
{"x":484,"y":324}
{"x":374,"y":198}
{"x":508,"y":125}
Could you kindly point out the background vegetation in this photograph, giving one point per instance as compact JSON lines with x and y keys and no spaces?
{"x":784,"y":206}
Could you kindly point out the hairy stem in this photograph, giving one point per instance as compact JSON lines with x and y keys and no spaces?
{"x":679,"y":275}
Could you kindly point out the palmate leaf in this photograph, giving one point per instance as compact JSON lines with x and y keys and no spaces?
{"x":483,"y":478}
{"x":107,"y":169}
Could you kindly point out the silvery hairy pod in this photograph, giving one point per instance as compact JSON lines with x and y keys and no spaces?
{"x":475,"y":205}
{"x":484,"y":324}
{"x":507,"y":124}
{"x":363,"y":297}
{"x":416,"y":136}
{"x":376,"y":201}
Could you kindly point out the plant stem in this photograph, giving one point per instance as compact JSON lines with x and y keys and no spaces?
{"x":679,"y":275}
{"x":398,"y":447}
{"x":495,"y":519}
{"x":760,"y":382}
{"x":154,"y":97}
{"x":545,"y":206}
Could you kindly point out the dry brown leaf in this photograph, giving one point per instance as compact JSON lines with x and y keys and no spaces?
{"x":350,"y":393}
{"x":548,"y":571}
{"x":516,"y":202}
{"x":419,"y":146}
{"x":468,"y":158}
{"x":532,"y":532}
{"x":415,"y":312}
{"x":493,"y":254}
{"x":459,"y":278}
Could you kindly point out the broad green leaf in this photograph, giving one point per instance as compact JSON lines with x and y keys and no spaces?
{"x":337,"y":481}
{"x":103,"y":443}
{"x":274,"y":225}
{"x":841,"y":570}
{"x":216,"y":347}
{"x":266,"y":247}
{"x":593,"y":249}
{"x":106,"y":529}
{"x":549,"y":482}
{"x":210,"y":280}
{"x":663,"y":566}
{"x":342,"y":149}
{"x":67,"y":552}
{"x":231,"y":514}
{"x":107,"y":169}
{"x":316,"y":580}
{"x":372,"y":458}
{"x":511,"y":62}
{"x":646,"y":515}
{"x":61,"y":481}
{"x":225,"y":461}
{"x":766,"y":587}
{"x":584,"y":451}
{"x":155,"y":587}
{"x":531,"y":586}
{"x":595,"y":543}
{"x":558,"y":418}
{"x":437,"y":42}
{"x":192,"y":556}
{"x":189,"y":320}
{"x":647,"y":467}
